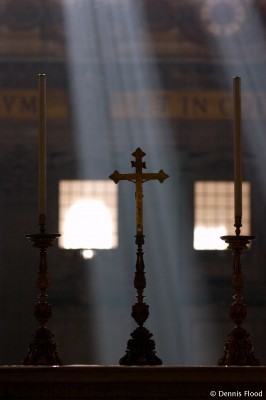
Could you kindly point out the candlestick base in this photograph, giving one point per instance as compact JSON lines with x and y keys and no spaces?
{"x":238,"y":349}
{"x":141,"y":348}
{"x":43,"y":348}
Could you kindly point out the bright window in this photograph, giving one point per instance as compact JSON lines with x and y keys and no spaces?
{"x":214,"y":213}
{"x":88,"y":214}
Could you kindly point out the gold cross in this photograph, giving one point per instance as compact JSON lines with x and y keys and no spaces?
{"x":139,"y":178}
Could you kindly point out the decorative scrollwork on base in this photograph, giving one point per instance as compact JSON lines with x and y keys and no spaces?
{"x":140,"y":349}
{"x":238,"y":349}
{"x":42,"y":349}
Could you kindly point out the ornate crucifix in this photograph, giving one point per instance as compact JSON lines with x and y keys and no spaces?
{"x":141,"y":348}
{"x":139,"y":178}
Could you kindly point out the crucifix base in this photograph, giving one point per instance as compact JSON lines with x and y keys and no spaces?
{"x":42,"y":349}
{"x":140,"y":349}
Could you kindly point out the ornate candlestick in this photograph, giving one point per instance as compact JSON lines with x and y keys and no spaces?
{"x":141,"y":348}
{"x":42,"y":349}
{"x":238,"y":348}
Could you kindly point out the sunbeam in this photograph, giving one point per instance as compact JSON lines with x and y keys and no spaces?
{"x":106,"y":135}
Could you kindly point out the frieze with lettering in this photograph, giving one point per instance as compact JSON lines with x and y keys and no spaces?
{"x":186,"y":105}
{"x":23,"y":104}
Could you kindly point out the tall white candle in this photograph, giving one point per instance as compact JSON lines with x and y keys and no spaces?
{"x":42,"y":144}
{"x":237,"y":147}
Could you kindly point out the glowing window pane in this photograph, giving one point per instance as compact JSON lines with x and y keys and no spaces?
{"x":88,"y":214}
{"x":214,"y":213}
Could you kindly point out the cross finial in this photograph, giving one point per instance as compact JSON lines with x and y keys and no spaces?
{"x":139,"y":164}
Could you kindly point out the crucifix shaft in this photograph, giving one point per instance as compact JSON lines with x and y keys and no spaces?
{"x":139,"y":177}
